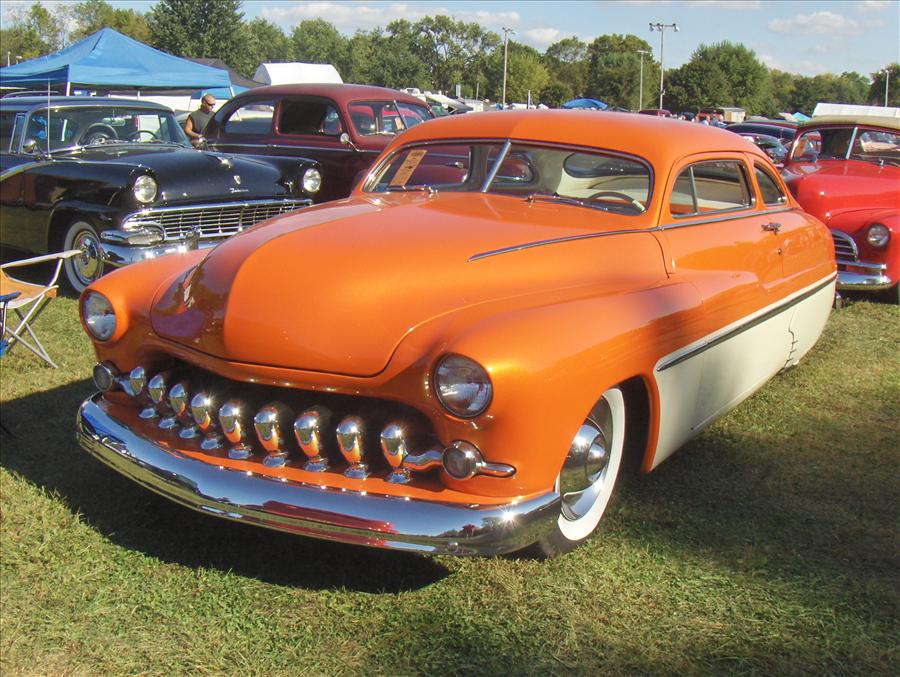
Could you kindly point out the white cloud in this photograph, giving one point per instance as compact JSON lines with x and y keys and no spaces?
{"x":823,"y":23}
{"x":871,"y":6}
{"x":803,"y":67}
{"x":543,"y":36}
{"x":726,"y":4}
{"x":352,"y":16}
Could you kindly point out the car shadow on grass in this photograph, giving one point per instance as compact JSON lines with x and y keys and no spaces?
{"x":45,"y":453}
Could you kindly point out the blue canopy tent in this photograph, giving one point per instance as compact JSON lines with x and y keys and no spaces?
{"x":588,"y":104}
{"x":111,"y":60}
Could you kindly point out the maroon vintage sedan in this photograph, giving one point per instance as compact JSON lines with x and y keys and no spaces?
{"x":343,"y":127}
{"x":846,"y":171}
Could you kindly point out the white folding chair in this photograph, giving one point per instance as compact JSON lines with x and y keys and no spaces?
{"x":31,"y":301}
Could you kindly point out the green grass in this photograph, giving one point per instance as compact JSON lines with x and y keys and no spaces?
{"x":768,"y":545}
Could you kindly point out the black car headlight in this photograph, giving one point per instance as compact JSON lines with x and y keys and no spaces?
{"x":144,"y":188}
{"x":98,"y":315}
{"x":312,"y":180}
{"x":878,"y":235}
{"x":462,"y":386}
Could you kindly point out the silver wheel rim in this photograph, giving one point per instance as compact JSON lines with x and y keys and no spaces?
{"x":87,"y":266}
{"x":586,"y":482}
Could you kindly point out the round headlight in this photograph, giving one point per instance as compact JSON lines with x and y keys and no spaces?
{"x":312,"y":180}
{"x":878,"y":235}
{"x":99,"y":316}
{"x":144,"y":188}
{"x":462,"y":386}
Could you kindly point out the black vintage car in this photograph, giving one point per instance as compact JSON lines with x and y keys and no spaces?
{"x":117,"y":179}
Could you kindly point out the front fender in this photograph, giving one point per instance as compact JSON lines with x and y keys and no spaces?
{"x":549,"y":365}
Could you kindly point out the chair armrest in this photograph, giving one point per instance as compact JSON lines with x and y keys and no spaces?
{"x":6,"y":298}
{"x":69,"y":253}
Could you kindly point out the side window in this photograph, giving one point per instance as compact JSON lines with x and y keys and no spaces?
{"x":254,"y":117}
{"x":717,"y":185}
{"x":768,"y":188}
{"x":297,"y":116}
{"x":7,"y":120}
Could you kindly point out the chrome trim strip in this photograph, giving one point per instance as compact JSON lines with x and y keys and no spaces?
{"x":360,"y":518}
{"x":24,"y":167}
{"x":653,"y":229}
{"x":217,"y":146}
{"x":730,"y":332}
{"x":496,"y":168}
{"x":724,"y":217}
{"x":557,"y":240}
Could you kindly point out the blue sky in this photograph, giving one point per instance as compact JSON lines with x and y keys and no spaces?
{"x":793,"y":35}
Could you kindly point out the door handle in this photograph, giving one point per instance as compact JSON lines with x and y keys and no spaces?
{"x":774,"y":227}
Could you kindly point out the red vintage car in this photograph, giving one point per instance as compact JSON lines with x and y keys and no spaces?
{"x":343,"y":127}
{"x":846,"y":171}
{"x":463,"y":355}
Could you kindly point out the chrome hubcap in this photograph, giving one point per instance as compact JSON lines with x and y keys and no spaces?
{"x":87,"y":265}
{"x":583,"y":475}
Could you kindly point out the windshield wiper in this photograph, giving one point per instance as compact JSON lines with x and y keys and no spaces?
{"x":412,"y":189}
{"x":556,"y":197}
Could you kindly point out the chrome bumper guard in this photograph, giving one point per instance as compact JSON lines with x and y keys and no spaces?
{"x":873,"y":279}
{"x":118,"y":248}
{"x":346,"y":516}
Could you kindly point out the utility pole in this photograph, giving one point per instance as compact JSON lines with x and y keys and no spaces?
{"x":642,"y":52}
{"x":506,"y":32}
{"x":887,"y":79}
{"x":662,"y":46}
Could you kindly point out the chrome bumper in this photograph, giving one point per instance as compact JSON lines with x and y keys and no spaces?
{"x":873,"y":279}
{"x":118,"y":248}
{"x":345,"y":516}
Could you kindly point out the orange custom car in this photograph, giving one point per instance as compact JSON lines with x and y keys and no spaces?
{"x":462,"y":355}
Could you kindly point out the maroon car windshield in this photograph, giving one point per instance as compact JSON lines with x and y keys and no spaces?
{"x":386,"y":117}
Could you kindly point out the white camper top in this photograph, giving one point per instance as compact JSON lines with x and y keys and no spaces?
{"x":297,"y":73}
{"x":846,"y":109}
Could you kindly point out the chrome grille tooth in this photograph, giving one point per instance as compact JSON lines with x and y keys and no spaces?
{"x":233,"y":418}
{"x":395,"y":447}
{"x":269,"y":422}
{"x":350,"y":434}
{"x":308,"y":429}
{"x":203,"y":410}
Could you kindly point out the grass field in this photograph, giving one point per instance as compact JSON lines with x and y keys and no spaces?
{"x":768,"y":545}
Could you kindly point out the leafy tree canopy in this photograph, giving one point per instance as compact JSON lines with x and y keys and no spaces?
{"x":198,"y":28}
{"x":92,"y":15}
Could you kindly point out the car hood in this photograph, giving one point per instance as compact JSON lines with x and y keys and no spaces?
{"x":336,"y":288}
{"x":831,"y":187}
{"x":189,"y":176}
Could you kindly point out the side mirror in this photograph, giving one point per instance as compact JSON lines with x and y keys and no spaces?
{"x":345,"y":138}
{"x":29,"y":145}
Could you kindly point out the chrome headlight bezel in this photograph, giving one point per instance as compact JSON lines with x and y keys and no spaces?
{"x":462,"y":386}
{"x":98,"y":316}
{"x":144,"y":189}
{"x":311,"y":181}
{"x":878,"y":235}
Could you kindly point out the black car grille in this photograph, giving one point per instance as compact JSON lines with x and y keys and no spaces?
{"x":844,"y":246}
{"x":212,"y":221}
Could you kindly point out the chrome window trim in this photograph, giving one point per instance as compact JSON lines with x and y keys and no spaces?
{"x":723,"y":335}
{"x":747,"y":186}
{"x":496,"y":168}
{"x":219,"y":141}
{"x":852,"y":141}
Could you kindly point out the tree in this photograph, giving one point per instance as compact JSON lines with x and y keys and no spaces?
{"x":261,"y":42}
{"x":453,"y":51}
{"x":198,"y":28}
{"x":615,"y":68}
{"x":697,"y":84}
{"x":748,"y":81}
{"x":33,"y":32}
{"x":92,"y":15}
{"x":525,"y":73}
{"x":567,"y":63}
{"x":782,"y":93}
{"x":317,"y":41}
{"x":876,"y":91}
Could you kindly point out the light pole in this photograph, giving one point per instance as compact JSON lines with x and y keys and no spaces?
{"x":642,"y":52}
{"x":887,"y":79}
{"x":662,"y":45}
{"x":506,"y":32}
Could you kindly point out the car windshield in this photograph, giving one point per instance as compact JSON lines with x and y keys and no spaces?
{"x":386,"y":117}
{"x":842,"y":143}
{"x":60,"y":128}
{"x":579,"y":177}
